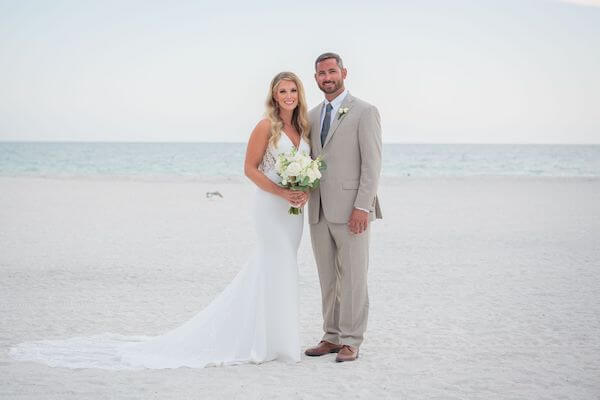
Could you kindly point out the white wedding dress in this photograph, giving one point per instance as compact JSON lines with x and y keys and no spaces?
{"x":253,"y":320}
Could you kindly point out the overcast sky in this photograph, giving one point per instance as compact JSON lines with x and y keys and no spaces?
{"x":479,"y":71}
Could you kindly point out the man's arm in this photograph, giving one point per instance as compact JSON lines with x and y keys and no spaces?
{"x":369,"y":140}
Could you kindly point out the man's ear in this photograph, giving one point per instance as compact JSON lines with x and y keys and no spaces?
{"x":344,"y":73}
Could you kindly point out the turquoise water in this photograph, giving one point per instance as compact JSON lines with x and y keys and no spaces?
{"x":226,"y":159}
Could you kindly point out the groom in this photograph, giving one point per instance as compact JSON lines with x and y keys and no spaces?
{"x":346,"y":132}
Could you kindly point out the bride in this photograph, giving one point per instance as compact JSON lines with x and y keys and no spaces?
{"x":255,"y":318}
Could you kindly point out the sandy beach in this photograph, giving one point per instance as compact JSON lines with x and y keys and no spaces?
{"x":480,"y":288}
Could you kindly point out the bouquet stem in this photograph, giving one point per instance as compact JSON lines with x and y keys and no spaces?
{"x":294,"y":211}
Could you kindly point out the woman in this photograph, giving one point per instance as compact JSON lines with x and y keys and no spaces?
{"x":255,"y":319}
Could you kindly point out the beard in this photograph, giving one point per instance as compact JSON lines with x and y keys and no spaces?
{"x":331,"y":89}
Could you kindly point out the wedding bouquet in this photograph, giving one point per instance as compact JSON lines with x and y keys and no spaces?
{"x":299,"y":172}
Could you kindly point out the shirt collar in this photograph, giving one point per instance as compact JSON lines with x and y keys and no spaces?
{"x":337,"y":102}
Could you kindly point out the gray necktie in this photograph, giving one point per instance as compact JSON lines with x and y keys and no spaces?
{"x":326,"y":122}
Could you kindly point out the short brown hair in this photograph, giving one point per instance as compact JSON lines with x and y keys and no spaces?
{"x":326,"y":56}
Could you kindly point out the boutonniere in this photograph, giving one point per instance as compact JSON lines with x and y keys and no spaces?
{"x":342,"y":111}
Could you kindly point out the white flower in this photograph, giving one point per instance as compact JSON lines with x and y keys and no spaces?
{"x":293,"y":169}
{"x":316,"y":171}
{"x":342,"y":111}
{"x":305,"y":162}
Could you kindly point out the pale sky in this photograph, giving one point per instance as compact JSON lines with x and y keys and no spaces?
{"x":478,"y":71}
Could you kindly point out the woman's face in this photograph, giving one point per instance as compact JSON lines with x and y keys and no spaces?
{"x":286,"y":95}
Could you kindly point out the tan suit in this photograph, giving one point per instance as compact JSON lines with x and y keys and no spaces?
{"x":352,"y":151}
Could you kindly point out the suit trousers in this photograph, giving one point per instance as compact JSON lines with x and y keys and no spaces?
{"x":342,"y":261}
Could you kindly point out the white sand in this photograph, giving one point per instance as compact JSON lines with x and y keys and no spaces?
{"x":481,"y":288}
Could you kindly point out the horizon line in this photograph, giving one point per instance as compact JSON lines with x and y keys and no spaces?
{"x":216,"y":142}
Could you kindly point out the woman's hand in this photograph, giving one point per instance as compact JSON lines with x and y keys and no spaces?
{"x":304,"y":199}
{"x":296,"y":198}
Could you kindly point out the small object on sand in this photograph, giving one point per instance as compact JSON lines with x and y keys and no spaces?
{"x":213,"y":194}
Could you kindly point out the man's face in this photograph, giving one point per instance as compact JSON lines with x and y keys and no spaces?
{"x":330,"y":77}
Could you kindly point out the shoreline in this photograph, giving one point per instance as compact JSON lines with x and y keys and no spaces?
{"x":240,"y":179}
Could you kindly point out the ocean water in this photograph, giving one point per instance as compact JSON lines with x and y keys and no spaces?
{"x":196,"y":160}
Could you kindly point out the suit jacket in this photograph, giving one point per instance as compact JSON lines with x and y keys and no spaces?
{"x":352,"y":151}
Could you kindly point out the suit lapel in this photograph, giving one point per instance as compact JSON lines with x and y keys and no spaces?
{"x":316,"y":128}
{"x":337,"y":119}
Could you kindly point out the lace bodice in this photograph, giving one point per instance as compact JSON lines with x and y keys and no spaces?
{"x":267,"y":165}
{"x":268,"y":162}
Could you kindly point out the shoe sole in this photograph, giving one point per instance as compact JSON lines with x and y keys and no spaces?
{"x":336,"y":360}
{"x":319,"y":355}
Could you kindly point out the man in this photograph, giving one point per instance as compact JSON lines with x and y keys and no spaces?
{"x":346,"y":132}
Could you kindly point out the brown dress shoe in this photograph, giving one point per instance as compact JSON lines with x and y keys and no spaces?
{"x":324,"y":347}
{"x":347,"y":353}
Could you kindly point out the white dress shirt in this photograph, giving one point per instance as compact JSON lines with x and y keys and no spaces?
{"x":336,"y":104}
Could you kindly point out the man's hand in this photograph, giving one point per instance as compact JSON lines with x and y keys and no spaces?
{"x":359,"y":220}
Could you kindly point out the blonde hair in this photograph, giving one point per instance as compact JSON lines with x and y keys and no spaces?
{"x":299,"y":115}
